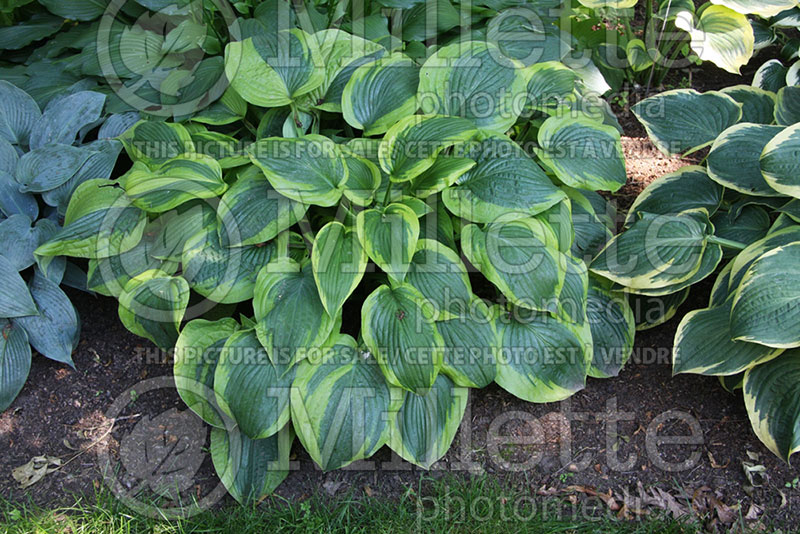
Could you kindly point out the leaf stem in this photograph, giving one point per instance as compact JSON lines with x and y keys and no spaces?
{"x":726,"y":242}
{"x":388,"y":192}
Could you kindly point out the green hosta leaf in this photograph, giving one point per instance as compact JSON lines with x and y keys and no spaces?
{"x":476,"y":81}
{"x":542,"y":359}
{"x":410,"y":147}
{"x":15,"y":299}
{"x":15,"y":361}
{"x":657,"y":251}
{"x":363,"y":179}
{"x":762,"y":8}
{"x":471,"y":347}
{"x":427,"y":20}
{"x":445,"y":171}
{"x":48,"y":167}
{"x":525,"y":33}
{"x":228,"y":109}
{"x":638,"y":57}
{"x":251,"y":387}
{"x":381,"y":93}
{"x":758,"y":105}
{"x":339,"y":264}
{"x":520,"y":258}
{"x":341,"y":405}
{"x":439,"y":226}
{"x":779,"y":165}
{"x":703,"y":345}
{"x":766,"y":307}
{"x":793,"y":74}
{"x":20,"y":35}
{"x":64,"y":118}
{"x":251,"y":469}
{"x":425,"y":425}
{"x":590,"y":233}
{"x":275,"y":69}
{"x":289,"y":312}
{"x":174,"y":182}
{"x":721,"y":35}
{"x":154,"y":143}
{"x":18,"y":113}
{"x":742,"y":262}
{"x":504,"y":183}
{"x":649,"y":311}
{"x":389,"y":236}
{"x":686,"y":189}
{"x":197,"y":353}
{"x":772,"y":398}
{"x":734,"y":158}
{"x":613,"y":328}
{"x":309,"y":169}
{"x":747,"y":226}
{"x":551,"y":85}
{"x":711,"y":257}
{"x":252,"y":212}
{"x":398,"y":327}
{"x":770,"y":76}
{"x":438,"y":273}
{"x":173,"y":228}
{"x":684,"y":120}
{"x":721,"y":289}
{"x":583,"y":153}
{"x":787,"y":109}
{"x":152,"y":306}
{"x":572,"y":299}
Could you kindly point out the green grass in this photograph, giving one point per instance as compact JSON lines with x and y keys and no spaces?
{"x":449,"y":506}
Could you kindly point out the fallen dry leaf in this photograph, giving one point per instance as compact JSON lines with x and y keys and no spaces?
{"x":35,"y":470}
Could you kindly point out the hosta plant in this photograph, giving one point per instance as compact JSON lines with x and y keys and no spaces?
{"x":734,"y":218}
{"x":45,"y":156}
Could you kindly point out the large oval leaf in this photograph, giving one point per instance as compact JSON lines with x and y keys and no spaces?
{"x":339,"y":262}
{"x":758,"y":105}
{"x":779,"y":164}
{"x":18,"y":113}
{"x":471,"y":347}
{"x":613,"y":328}
{"x":15,"y":299}
{"x":770,"y":76}
{"x":154,"y":142}
{"x":15,"y":362}
{"x":762,"y":8}
{"x":734,"y":158}
{"x":686,"y":189}
{"x":720,"y":35}
{"x":152,"y":306}
{"x":389,"y":236}
{"x":438,"y":273}
{"x":787,"y":109}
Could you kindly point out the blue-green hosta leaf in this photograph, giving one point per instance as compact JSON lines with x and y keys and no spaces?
{"x":15,"y":299}
{"x":542,"y":359}
{"x":389,"y":236}
{"x":758,"y":105}
{"x":438,"y":273}
{"x":18,"y":240}
{"x":657,"y":251}
{"x":15,"y":361}
{"x":48,"y":167}
{"x":688,"y":188}
{"x":649,"y":311}
{"x":787,"y":109}
{"x":309,"y":169}
{"x":251,"y":387}
{"x":410,"y":147}
{"x":550,"y":86}
{"x":789,"y":18}
{"x":684,"y":120}
{"x":770,"y":76}
{"x":704,"y":345}
{"x":779,"y":165}
{"x":720,"y":35}
{"x":399,"y":329}
{"x":590,"y":232}
{"x":54,"y":331}
{"x":766,"y":306}
{"x":572,"y":299}
{"x":292,"y":321}
{"x":223,"y":148}
{"x":712,"y":255}
{"x":426,"y":423}
{"x":8,"y":157}
{"x":152,"y":306}
{"x":20,"y":35}
{"x":742,"y":262}
{"x":721,"y":288}
{"x":228,"y":109}
{"x":13,"y":202}
{"x":763,"y":34}
{"x":380,"y":93}
{"x":521,"y":258}
{"x":583,"y":153}
{"x":154,"y":143}
{"x":275,"y":69}
{"x":476,"y":81}
{"x":505,"y":183}
{"x":747,"y":226}
{"x":18,"y":113}
{"x":734,"y":158}
{"x":341,"y":405}
{"x":439,"y":226}
{"x":761,"y":8}
{"x":525,"y":33}
{"x":793,"y":74}
{"x":427,"y":20}
{"x":471,"y":347}
{"x":339,"y":263}
{"x":174,"y":182}
{"x":613,"y":328}
{"x":63,"y":119}
{"x":251,"y":469}
{"x":772,"y":398}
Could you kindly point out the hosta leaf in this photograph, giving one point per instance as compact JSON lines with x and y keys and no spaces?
{"x":638,"y":57}
{"x":572,"y":299}
{"x":18,"y":113}
{"x":746,"y":227}
{"x":734,"y":158}
{"x":720,"y":35}
{"x":398,"y":327}
{"x":772,"y":398}
{"x":550,"y":85}
{"x":762,"y":8}
{"x":48,"y":167}
{"x":712,"y":255}
{"x":341,"y":405}
{"x":590,"y":233}
{"x":363,"y":179}
{"x":389,"y":236}
{"x":154,"y":143}
{"x":787,"y":109}
{"x":172,"y":229}
{"x":504,"y":183}
{"x":742,"y":262}
{"x":15,"y":361}
{"x":251,"y":469}
{"x":15,"y":299}
{"x":439,"y":226}
{"x":583,"y":153}
{"x":12,"y":202}
{"x":309,"y":169}
{"x":20,"y":35}
{"x":770,"y":76}
{"x":18,"y":240}
{"x":427,"y":20}
{"x":339,"y":264}
{"x":63,"y":119}
{"x":381,"y":93}
{"x":766,"y":306}
{"x":758,"y":105}
{"x":438,"y":273}
{"x":614,"y":4}
{"x":686,"y":189}
{"x":445,"y":171}
{"x":649,"y":311}
{"x":152,"y":306}
{"x":425,"y":425}
{"x":613,"y":328}
{"x":779,"y":166}
{"x":684,"y":120}
{"x":471,"y":347}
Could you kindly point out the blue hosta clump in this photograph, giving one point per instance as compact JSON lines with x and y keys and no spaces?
{"x":44,"y":158}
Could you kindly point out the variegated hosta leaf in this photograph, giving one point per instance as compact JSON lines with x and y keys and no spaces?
{"x":399,"y":329}
{"x":761,"y":8}
{"x":613,"y":328}
{"x":252,"y":388}
{"x":779,"y":166}
{"x":410,"y":147}
{"x":100,"y":222}
{"x":583,"y":153}
{"x":152,"y":305}
{"x":274,"y":69}
{"x":572,"y":299}
{"x":688,"y":188}
{"x":787,"y":109}
{"x":758,"y":105}
{"x":438,"y":273}
{"x":471,"y":347}
{"x":766,"y":306}
{"x":339,"y":263}
{"x":174,"y":182}
{"x":155,"y":142}
{"x":591,"y":232}
{"x":505,"y":183}
{"x":656,"y":251}
{"x":309,"y":169}
{"x":742,"y":262}
{"x":712,"y":255}
{"x":551,"y":84}
{"x":649,"y":311}
{"x":684,"y":120}
{"x":614,"y":4}
{"x":770,"y":76}
{"x":720,"y":35}
{"x":734,"y":158}
{"x":542,"y":359}
{"x":363,"y":179}
{"x":380,"y":93}
{"x":772,"y":398}
{"x":389,"y":236}
{"x":745,"y":226}
{"x":426,"y":423}
{"x":341,"y":405}
{"x":251,"y":469}
{"x":15,"y":360}
{"x":445,"y":172}
{"x":476,"y":81}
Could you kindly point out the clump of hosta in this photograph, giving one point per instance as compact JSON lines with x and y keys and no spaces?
{"x":736,"y":217}
{"x":388,"y":236}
